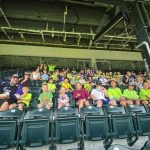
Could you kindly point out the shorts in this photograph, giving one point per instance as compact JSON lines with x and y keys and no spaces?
{"x":45,"y":103}
{"x":24,"y":104}
{"x":113,"y":98}
{"x":104,"y":101}
{"x":6,"y":100}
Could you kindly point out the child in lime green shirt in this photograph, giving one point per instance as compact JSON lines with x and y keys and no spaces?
{"x":25,"y":98}
{"x":45,"y":97}
{"x":131,"y":95}
{"x":88,"y":86}
{"x":51,"y":86}
{"x":145,"y":94}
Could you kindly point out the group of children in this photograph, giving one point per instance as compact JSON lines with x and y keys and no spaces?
{"x":98,"y":95}
{"x":85,"y":89}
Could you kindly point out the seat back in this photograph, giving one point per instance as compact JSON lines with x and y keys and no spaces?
{"x":36,"y":127}
{"x":35,"y":132}
{"x":91,"y":110}
{"x":67,"y":129}
{"x":122,"y":126}
{"x":8,"y":127}
{"x":135,"y":109}
{"x":7,"y":133}
{"x":96,"y":127}
{"x":143,"y":123}
{"x":66,"y":111}
{"x":114,"y":110}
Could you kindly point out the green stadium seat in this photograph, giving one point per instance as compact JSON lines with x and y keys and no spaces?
{"x":143,"y":124}
{"x":96,"y":127}
{"x":35,"y":132}
{"x":122,"y":126}
{"x":66,"y":111}
{"x":114,"y":110}
{"x":146,"y":145}
{"x":10,"y":122}
{"x":123,"y":87}
{"x":36,"y":128}
{"x":91,"y":110}
{"x":135,"y":109}
{"x":67,"y":129}
{"x":7,"y":133}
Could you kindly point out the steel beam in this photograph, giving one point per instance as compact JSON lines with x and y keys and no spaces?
{"x":108,"y":27}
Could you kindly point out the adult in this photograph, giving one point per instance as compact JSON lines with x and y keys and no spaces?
{"x":7,"y":91}
{"x":128,"y":77}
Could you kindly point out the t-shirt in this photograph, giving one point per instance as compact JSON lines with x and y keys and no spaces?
{"x":45,"y":97}
{"x":51,"y":67}
{"x":63,"y":99}
{"x":83,"y":94}
{"x":26,"y":99}
{"x":98,"y":94}
{"x":130,"y":94}
{"x":51,"y":86}
{"x":88,"y":87}
{"x":54,"y":77}
{"x":114,"y":93}
{"x":44,"y":77}
{"x":144,"y":94}
{"x":131,"y":79}
{"x":66,"y":85}
{"x":9,"y":89}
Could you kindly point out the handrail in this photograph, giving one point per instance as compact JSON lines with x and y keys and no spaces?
{"x":148,"y":50}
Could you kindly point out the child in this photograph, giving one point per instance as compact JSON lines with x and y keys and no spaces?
{"x":67,"y":85}
{"x":131,"y":95}
{"x":25,"y":98}
{"x":45,"y":97}
{"x":88,"y":86}
{"x":51,"y":86}
{"x":63,"y":99}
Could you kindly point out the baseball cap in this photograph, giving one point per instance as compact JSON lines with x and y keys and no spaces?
{"x":131,"y":84}
{"x":98,"y":83}
{"x":27,"y":73}
{"x":15,"y":75}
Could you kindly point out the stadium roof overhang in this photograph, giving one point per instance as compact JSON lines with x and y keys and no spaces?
{"x":92,"y":24}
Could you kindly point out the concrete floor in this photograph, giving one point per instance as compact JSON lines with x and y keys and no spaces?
{"x":93,"y":145}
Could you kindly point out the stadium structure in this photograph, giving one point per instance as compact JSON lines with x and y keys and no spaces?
{"x":106,"y":35}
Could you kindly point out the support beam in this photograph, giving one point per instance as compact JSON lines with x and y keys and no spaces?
{"x":141,"y":29}
{"x":108,"y":27}
{"x":5,"y":17}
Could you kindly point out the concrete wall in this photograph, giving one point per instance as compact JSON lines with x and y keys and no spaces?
{"x":22,"y":50}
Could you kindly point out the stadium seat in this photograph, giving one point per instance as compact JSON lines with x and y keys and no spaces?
{"x":135,"y":109}
{"x":35,"y":93}
{"x":146,"y":145}
{"x":122,"y":126}
{"x":66,"y":111}
{"x":10,"y":123}
{"x":36,"y":128}
{"x":96,"y":127}
{"x":67,"y":129}
{"x":114,"y":110}
{"x":91,"y":110}
{"x":143,"y":124}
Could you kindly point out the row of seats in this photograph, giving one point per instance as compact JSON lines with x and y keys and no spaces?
{"x":41,"y":126}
